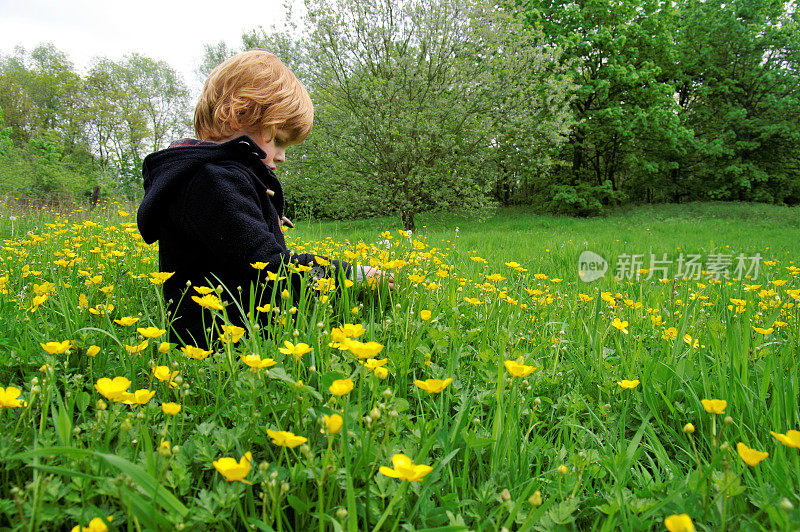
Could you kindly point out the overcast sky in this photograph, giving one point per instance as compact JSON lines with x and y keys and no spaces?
{"x":174,"y":31}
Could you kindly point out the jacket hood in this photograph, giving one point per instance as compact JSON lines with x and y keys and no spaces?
{"x":165,"y":172}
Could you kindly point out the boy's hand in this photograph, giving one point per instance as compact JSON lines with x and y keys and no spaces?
{"x":287,"y":222}
{"x":379,"y":275}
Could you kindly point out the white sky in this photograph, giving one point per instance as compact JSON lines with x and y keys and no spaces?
{"x":174,"y":31}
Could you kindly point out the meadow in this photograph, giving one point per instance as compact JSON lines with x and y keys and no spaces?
{"x":494,"y":389}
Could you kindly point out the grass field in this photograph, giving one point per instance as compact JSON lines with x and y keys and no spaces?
{"x":493,"y":389}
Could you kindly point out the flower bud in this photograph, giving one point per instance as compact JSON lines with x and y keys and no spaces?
{"x":535,"y":499}
{"x":728,"y":420}
{"x":688,"y":428}
{"x":562,"y":469}
{"x":341,"y":513}
{"x":505,"y":495}
{"x":786,"y":505}
{"x":164,"y":449}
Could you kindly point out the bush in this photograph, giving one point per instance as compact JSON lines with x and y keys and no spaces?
{"x":583,"y":199}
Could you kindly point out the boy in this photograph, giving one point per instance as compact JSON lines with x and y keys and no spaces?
{"x":215,"y":203}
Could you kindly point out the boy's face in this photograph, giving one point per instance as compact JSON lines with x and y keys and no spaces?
{"x":275,"y":148}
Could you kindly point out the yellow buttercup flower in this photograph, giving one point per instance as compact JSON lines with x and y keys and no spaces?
{"x":360,"y":349}
{"x":233,"y":470}
{"x":333,"y":423}
{"x":9,"y":398}
{"x":285,"y":439}
{"x":203,"y":290}
{"x":628,"y":385}
{"x":425,"y":315}
{"x":404,"y":468}
{"x":95,"y":525}
{"x":620,"y":325}
{"x":126,"y":321}
{"x":164,"y":347}
{"x":209,"y":301}
{"x":195,"y":352}
{"x":93,"y":350}
{"x":133,"y":349}
{"x":259,"y":265}
{"x":518,"y":369}
{"x":171,"y":409}
{"x":139,"y":397}
{"x":715,"y":406}
{"x":790,"y":439}
{"x":150,"y":332}
{"x":381,"y":372}
{"x":374,"y":363}
{"x":231,"y":333}
{"x":348,"y":330}
{"x":158,"y":278}
{"x":671,"y":333}
{"x":341,"y":387}
{"x":101,"y":310}
{"x":256,"y":362}
{"x":473,"y":301}
{"x":679,"y":523}
{"x":112,"y":389}
{"x":765,"y":332}
{"x":296,"y":350}
{"x":750,"y":456}
{"x":433,"y":385}
{"x":164,"y":374}
{"x":56,"y":348}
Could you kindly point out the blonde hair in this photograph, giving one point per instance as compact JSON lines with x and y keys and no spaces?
{"x":254,"y":92}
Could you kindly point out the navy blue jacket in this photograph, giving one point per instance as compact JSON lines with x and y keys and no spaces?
{"x":215,"y":209}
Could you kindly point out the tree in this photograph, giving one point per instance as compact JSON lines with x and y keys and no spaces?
{"x":213,"y":54}
{"x":414,"y":99}
{"x":136,"y":105}
{"x":626,"y":117}
{"x":42,"y":92}
{"x":738,"y":84}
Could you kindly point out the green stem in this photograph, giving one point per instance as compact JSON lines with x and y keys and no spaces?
{"x":397,"y":496}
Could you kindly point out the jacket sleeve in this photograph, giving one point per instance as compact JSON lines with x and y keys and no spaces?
{"x":222,"y":209}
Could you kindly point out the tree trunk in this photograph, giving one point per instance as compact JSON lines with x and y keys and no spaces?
{"x":95,"y":197}
{"x":407,"y":218}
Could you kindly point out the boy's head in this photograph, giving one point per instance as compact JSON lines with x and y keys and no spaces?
{"x":254,"y":92}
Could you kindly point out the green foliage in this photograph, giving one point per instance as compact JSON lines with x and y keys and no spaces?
{"x":583,"y":199}
{"x":680,"y":101}
{"x":5,"y":136}
{"x":69,"y":129}
{"x":743,"y":115}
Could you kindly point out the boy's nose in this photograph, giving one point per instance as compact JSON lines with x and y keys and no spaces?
{"x":280,"y":156}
